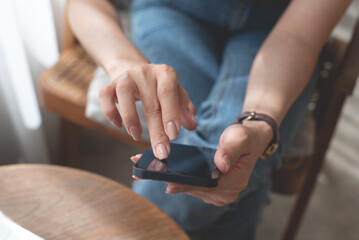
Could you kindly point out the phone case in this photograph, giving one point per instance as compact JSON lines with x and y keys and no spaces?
{"x":186,"y":165}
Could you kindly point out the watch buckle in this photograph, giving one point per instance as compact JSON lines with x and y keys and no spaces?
{"x":269,"y":151}
{"x":249,"y":117}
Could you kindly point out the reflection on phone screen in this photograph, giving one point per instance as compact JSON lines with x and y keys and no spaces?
{"x":158,"y":165}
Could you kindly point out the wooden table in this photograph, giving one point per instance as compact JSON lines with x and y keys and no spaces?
{"x":63,"y":203}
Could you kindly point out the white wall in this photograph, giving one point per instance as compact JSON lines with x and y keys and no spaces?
{"x":44,"y":140}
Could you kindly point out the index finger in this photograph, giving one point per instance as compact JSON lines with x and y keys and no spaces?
{"x":168,"y":96}
{"x":152,"y":108}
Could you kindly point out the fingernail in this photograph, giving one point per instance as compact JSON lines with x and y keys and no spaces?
{"x":226,"y":162}
{"x":135,"y":133}
{"x":117,"y":123}
{"x":172,"y":130}
{"x":161,"y":151}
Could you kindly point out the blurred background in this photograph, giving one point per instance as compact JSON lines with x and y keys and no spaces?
{"x":31,"y":40}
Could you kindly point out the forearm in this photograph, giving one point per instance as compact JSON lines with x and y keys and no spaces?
{"x":279,"y":74}
{"x":96,"y":26}
{"x":287,"y":58}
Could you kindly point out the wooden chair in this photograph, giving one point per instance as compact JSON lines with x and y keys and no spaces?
{"x":338,"y":79}
{"x":63,"y":90}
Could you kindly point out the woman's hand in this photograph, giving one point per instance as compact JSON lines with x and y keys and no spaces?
{"x":239,"y":148}
{"x":166,"y":104}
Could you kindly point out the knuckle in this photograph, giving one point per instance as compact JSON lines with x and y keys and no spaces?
{"x":108,"y":113}
{"x":153,"y":108}
{"x":159,"y":136}
{"x":104,"y":91}
{"x":141,"y":70}
{"x":129,"y":118}
{"x":167,"y":87}
{"x":124,"y":76}
{"x":123,"y":86}
{"x":170,"y":71}
{"x":166,"y":68}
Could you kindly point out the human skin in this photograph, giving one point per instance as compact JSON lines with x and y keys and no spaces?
{"x":280,"y":72}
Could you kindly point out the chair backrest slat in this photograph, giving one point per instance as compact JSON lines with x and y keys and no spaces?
{"x":349,"y":70}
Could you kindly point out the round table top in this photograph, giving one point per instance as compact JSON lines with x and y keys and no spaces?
{"x":62,"y":203}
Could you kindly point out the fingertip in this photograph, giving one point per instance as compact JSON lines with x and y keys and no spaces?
{"x":189,"y":121}
{"x":191,"y":108}
{"x":194,"y":119}
{"x":226,"y":162}
{"x":117,"y":122}
{"x":135,"y":132}
{"x":161,"y":151}
{"x":218,"y":159}
{"x":171,"y":130}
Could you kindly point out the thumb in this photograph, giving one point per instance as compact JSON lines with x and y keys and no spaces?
{"x":233,"y":144}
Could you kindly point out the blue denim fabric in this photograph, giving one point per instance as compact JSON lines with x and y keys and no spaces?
{"x":211,"y":45}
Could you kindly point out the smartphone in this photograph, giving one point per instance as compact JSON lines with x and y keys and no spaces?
{"x":185,"y":164}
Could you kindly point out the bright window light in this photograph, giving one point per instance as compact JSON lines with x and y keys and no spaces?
{"x":36,"y":24}
{"x":17,"y":67}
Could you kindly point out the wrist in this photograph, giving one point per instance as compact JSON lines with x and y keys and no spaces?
{"x":262,"y":130}
{"x":267,"y":108}
{"x":264,"y":135}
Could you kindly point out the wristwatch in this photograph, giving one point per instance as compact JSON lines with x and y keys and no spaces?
{"x":273,"y":144}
